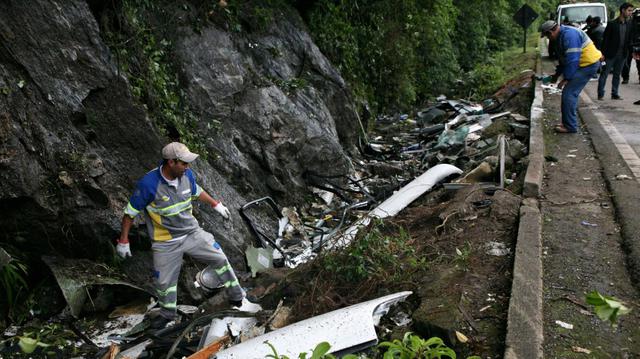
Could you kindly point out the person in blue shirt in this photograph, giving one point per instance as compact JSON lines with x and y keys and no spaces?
{"x":579,"y":61}
{"x":164,"y":198}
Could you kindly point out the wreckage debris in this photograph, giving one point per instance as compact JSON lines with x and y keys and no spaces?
{"x":357,"y":331}
{"x":480,"y":145}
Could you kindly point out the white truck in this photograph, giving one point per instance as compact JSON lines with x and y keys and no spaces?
{"x":576,"y":14}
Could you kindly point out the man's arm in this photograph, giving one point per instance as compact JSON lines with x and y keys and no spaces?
{"x":204,"y":197}
{"x":123,"y":248}
{"x":218,"y":206}
{"x":127,"y":222}
{"x":572,"y":46}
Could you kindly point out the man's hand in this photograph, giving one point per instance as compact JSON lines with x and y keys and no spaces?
{"x":562,"y":83}
{"x":222,"y":209}
{"x":123,"y":249}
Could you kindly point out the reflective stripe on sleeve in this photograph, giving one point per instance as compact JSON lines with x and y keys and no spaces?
{"x":130,"y":211}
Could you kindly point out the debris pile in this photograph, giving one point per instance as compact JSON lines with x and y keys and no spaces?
{"x":454,"y":142}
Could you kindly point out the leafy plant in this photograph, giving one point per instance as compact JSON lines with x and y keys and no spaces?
{"x":144,"y":57}
{"x":462,"y":256}
{"x":413,"y":347}
{"x":375,"y":255}
{"x":28,"y":345}
{"x":319,"y":352}
{"x":13,"y":284}
{"x":607,"y":308}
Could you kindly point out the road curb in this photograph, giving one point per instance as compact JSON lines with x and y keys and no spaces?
{"x":524,"y":337}
{"x":626,"y":205}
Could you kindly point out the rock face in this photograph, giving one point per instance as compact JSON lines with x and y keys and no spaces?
{"x":73,"y":139}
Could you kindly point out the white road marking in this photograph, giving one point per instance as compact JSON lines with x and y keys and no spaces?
{"x":626,"y":151}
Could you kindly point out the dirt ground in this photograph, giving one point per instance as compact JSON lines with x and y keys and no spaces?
{"x":581,"y":251}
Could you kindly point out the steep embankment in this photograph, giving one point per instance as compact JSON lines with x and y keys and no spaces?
{"x":77,"y":131}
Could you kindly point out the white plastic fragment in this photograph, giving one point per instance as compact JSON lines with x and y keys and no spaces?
{"x":497,"y":249}
{"x":565,"y":325}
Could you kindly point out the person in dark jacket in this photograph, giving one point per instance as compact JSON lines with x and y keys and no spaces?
{"x":615,"y":46}
{"x":596,"y":32}
{"x":635,"y":41}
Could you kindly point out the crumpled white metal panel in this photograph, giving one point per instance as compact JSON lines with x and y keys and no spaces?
{"x":351,"y":327}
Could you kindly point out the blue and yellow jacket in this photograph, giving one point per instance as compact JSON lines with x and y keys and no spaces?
{"x":167,"y":209}
{"x":575,"y":49}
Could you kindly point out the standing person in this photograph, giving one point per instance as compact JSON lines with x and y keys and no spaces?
{"x":596,"y":32}
{"x":164,"y":198}
{"x":615,"y":45}
{"x":579,"y":60}
{"x":635,"y":41}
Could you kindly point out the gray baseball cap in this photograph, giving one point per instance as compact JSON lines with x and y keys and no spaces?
{"x":547,"y":26}
{"x":179,"y":151}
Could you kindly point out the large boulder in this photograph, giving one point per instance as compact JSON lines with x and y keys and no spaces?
{"x":73,"y":139}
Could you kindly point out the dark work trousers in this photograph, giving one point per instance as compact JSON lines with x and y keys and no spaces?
{"x":627,"y":68}
{"x":616,"y":64}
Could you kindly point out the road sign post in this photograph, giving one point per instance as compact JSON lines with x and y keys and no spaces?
{"x":525,"y":16}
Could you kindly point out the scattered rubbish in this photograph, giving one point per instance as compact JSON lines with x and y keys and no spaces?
{"x":229,"y":326}
{"x":564,"y":324}
{"x":357,"y":331}
{"x":401,"y":319}
{"x":259,"y":259}
{"x":211,"y":349}
{"x":136,"y":350}
{"x":484,"y":308}
{"x":588,"y":224}
{"x":551,"y":89}
{"x":604,"y":205}
{"x":497,"y":249}
{"x":280,"y":317}
{"x":576,"y":349}
{"x":400,"y":199}
{"x":478,"y":174}
{"x":484,"y":203}
{"x":571,"y":156}
{"x":461,"y":337}
{"x":187,"y":309}
{"x":586,"y":178}
{"x":136,"y":307}
{"x":623,"y":177}
{"x":112,"y":329}
{"x":546,"y":79}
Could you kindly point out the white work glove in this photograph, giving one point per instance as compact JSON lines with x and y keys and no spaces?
{"x":222,"y":209}
{"x":123,"y":250}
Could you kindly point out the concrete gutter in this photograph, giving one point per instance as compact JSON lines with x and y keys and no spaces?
{"x":525,"y":323}
{"x":618,"y":158}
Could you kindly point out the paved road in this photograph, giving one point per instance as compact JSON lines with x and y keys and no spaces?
{"x":619,"y":118}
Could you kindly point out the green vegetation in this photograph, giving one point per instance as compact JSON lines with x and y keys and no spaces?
{"x":413,"y":347}
{"x":396,"y":54}
{"x":607,"y":308}
{"x":375,"y":256}
{"x":410,"y":347}
{"x":144,"y":59}
{"x":13,"y":284}
{"x":319,"y":352}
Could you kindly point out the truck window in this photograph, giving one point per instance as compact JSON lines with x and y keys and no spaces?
{"x":580,"y":14}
